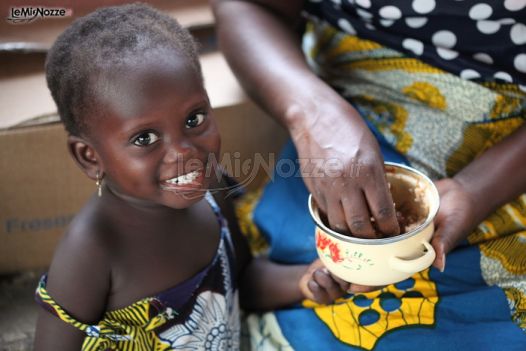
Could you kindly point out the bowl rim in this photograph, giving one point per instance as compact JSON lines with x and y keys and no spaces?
{"x":380,"y":241}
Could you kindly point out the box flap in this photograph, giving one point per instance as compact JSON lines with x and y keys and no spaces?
{"x":41,"y":33}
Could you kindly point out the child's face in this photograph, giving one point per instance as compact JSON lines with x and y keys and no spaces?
{"x":157,"y":137}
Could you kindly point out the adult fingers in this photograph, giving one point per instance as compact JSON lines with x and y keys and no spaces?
{"x":444,"y":240}
{"x":381,"y":203}
{"x":336,"y":217}
{"x":357,"y":214}
{"x":440,"y":259}
{"x":319,"y":198}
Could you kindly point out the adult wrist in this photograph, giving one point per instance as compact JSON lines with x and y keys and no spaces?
{"x":480,"y":199}
{"x":302,"y":115}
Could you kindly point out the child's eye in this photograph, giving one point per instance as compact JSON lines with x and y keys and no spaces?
{"x":145,"y":139}
{"x":195,"y":120}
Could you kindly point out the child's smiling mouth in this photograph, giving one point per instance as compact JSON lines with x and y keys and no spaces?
{"x":185,"y":178}
{"x":190,"y":180}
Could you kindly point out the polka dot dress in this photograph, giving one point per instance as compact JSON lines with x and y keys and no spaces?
{"x":476,"y":40}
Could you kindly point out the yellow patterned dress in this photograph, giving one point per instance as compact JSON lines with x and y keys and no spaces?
{"x":437,"y":120}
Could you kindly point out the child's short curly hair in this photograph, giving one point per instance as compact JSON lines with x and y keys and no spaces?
{"x":94,"y":44}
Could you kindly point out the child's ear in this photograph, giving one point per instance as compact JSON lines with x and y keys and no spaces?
{"x":85,"y":156}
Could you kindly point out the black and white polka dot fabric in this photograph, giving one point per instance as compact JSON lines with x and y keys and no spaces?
{"x":480,"y":40}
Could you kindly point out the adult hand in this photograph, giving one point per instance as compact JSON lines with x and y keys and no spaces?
{"x":454,"y":221}
{"x":323,"y":125}
{"x":489,"y":181}
{"x":343,"y":168}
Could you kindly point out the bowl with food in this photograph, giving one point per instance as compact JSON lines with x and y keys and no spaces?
{"x":385,"y":260}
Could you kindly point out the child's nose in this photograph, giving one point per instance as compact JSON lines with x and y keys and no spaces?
{"x":179,"y":151}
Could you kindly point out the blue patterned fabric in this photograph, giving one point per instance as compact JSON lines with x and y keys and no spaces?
{"x":453,"y":310}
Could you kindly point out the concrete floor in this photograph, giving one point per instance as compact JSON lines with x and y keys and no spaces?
{"x":18,"y":311}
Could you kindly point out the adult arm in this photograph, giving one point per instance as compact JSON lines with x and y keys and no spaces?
{"x":260,"y":42}
{"x":491,"y":180}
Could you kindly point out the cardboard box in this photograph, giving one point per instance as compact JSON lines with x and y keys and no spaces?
{"x":41,"y":188}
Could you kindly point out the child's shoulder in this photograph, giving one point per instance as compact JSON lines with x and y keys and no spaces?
{"x":89,"y":234}
{"x":79,"y":275}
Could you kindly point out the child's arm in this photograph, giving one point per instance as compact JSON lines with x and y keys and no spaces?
{"x":265,"y":285}
{"x":78,"y":281}
{"x":268,"y":285}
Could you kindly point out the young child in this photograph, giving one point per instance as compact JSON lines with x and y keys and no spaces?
{"x":150,"y":262}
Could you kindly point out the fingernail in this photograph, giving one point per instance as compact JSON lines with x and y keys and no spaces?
{"x":443,"y":263}
{"x":325,"y":270}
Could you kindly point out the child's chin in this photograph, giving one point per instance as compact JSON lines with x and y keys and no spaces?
{"x":183,"y":199}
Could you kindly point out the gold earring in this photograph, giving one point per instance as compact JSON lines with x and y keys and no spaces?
{"x":99,"y":184}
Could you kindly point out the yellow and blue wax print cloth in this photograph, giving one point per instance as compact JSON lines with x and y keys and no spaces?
{"x":438,"y":123}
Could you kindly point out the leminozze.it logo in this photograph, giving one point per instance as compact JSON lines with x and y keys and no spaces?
{"x":26,"y":14}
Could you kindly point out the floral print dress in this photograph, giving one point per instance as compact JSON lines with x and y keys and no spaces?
{"x":201,"y":313}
